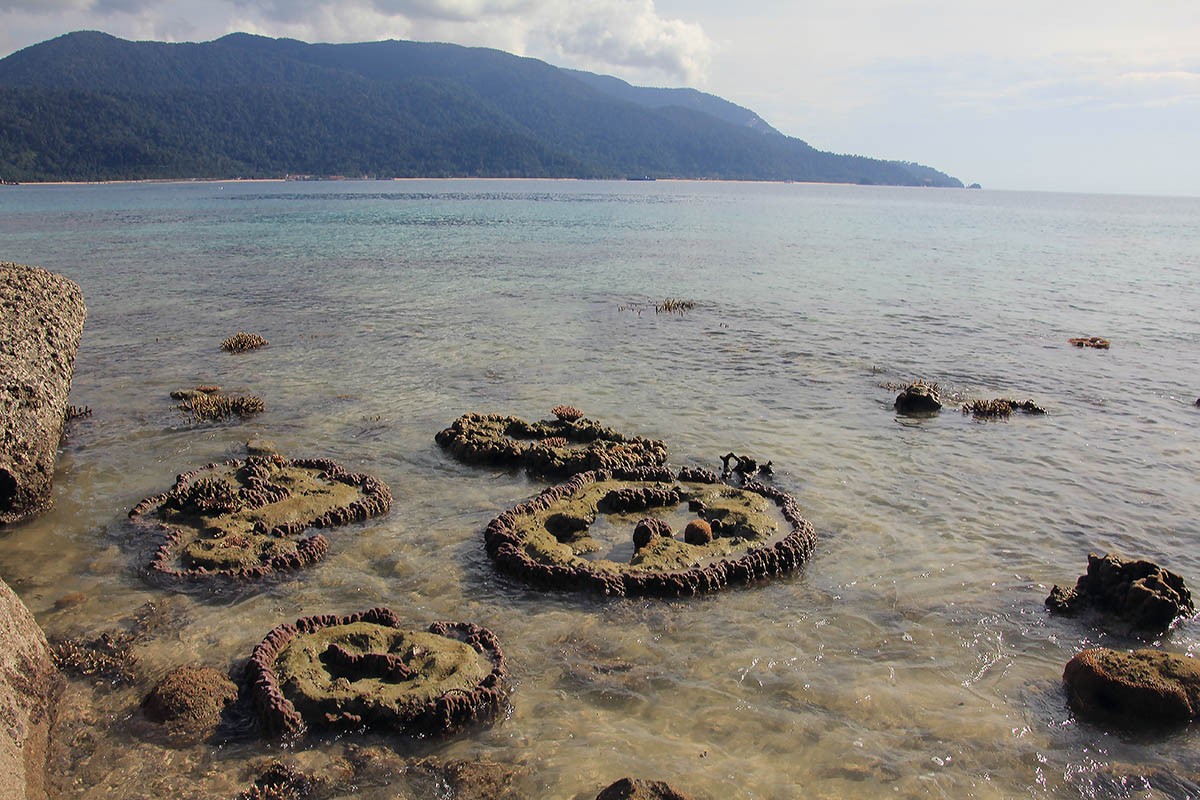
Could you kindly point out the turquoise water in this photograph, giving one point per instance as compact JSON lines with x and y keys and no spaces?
{"x":912,"y":656}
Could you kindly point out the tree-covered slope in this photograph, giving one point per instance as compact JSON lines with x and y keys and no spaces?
{"x":89,"y":106}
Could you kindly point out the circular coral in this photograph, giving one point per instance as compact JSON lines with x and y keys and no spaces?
{"x":243,"y":519}
{"x":556,"y":448}
{"x":530,"y":542}
{"x":365,"y":670}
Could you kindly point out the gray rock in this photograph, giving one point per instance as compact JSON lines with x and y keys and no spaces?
{"x":28,"y":686}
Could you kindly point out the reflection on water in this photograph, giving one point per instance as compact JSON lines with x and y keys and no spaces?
{"x":912,"y":655}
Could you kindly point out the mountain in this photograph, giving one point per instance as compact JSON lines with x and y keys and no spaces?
{"x":89,"y":106}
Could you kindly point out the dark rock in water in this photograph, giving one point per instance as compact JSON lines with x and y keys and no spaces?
{"x":190,"y":700}
{"x":1090,"y":341}
{"x":919,"y":398}
{"x":698,"y":532}
{"x":638,"y":789}
{"x":1140,"y":592}
{"x":281,"y":782}
{"x":1138,"y":688}
{"x":40,"y":327}
{"x":648,"y":529}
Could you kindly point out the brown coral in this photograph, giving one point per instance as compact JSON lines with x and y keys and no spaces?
{"x":241,"y":341}
{"x":1090,"y":341}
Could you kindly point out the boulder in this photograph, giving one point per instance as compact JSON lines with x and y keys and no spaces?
{"x":638,"y":789}
{"x":27,"y":689}
{"x":919,"y":398}
{"x":1139,"y":592}
{"x":190,"y":700}
{"x":41,"y":321}
{"x":1144,"y":687}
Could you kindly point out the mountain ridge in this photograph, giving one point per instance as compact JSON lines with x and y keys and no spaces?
{"x":91,"y":106}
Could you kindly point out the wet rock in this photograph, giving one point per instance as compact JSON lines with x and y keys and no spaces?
{"x":70,"y":600}
{"x":190,"y":700}
{"x":648,"y":529}
{"x":365,"y":670}
{"x":28,"y":687}
{"x":638,"y":789}
{"x":1142,"y":687}
{"x":1090,"y":341}
{"x":698,"y":532}
{"x":1139,"y":592}
{"x":241,"y":342}
{"x":282,"y":782}
{"x":258,"y":446}
{"x":1000,"y":408}
{"x":41,"y":322}
{"x":919,"y":398}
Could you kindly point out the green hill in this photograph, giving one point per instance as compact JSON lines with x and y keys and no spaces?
{"x":89,"y":106}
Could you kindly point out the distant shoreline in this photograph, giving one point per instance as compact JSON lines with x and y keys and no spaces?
{"x":456,"y":178}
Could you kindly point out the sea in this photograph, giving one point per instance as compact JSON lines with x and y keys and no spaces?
{"x":912,"y":656}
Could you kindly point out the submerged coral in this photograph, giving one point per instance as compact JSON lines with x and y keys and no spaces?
{"x":532,"y":542}
{"x":1090,"y":341}
{"x":1000,"y":408}
{"x":919,"y":397}
{"x":243,"y":519}
{"x":211,"y":407}
{"x":241,"y":341}
{"x":366,"y":670}
{"x":1139,"y":592}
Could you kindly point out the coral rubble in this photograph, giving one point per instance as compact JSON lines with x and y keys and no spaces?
{"x":366,"y":670}
{"x":534,"y":542}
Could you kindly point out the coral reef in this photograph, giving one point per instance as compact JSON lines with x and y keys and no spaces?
{"x":243,"y":519}
{"x":1090,"y":341}
{"x":1139,"y":592}
{"x":1000,"y":408}
{"x":241,"y":341}
{"x":919,"y":397}
{"x":281,"y":782}
{"x":364,"y":670}
{"x":41,"y":322}
{"x":744,"y":466}
{"x":552,"y":448}
{"x":1144,"y":687}
{"x":530,"y":542}
{"x":212,"y":407}
{"x":190,"y":700}
{"x":567,"y":413}
{"x":647,"y":529}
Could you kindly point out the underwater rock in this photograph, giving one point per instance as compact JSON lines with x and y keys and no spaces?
{"x":41,"y":322}
{"x":748,"y":546}
{"x":190,"y":700}
{"x":1138,"y":688}
{"x":648,"y":529}
{"x":242,"y":519}
{"x":1000,"y":408}
{"x":697,"y":532}
{"x":365,"y":670}
{"x":919,"y":397}
{"x":241,"y":341}
{"x":1139,"y":592}
{"x":282,"y":782}
{"x":187,"y":394}
{"x":638,"y":789}
{"x":1090,"y":341}
{"x":28,"y":688}
{"x":555,"y":448}
{"x":258,"y":446}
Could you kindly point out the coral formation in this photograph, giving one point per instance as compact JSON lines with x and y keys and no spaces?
{"x":243,"y":519}
{"x":567,"y":413}
{"x":1090,"y":341}
{"x":531,"y":542}
{"x":281,"y":782}
{"x":365,"y":670}
{"x":190,"y":700}
{"x":697,"y":532}
{"x":552,"y":448}
{"x":919,"y":397}
{"x":1139,"y":592}
{"x":1000,"y":408}
{"x":647,"y":529}
{"x":211,"y":407}
{"x":241,"y":341}
{"x":41,"y":322}
{"x":1138,"y":688}
{"x":638,"y":789}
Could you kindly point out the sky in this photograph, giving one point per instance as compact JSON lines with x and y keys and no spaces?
{"x":1074,"y":95}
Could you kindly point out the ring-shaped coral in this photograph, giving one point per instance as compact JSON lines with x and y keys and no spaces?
{"x":554,"y":448}
{"x":547,"y":541}
{"x":243,"y":519}
{"x":366,"y":671}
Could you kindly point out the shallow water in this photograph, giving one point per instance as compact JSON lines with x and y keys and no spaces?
{"x":912,"y":656}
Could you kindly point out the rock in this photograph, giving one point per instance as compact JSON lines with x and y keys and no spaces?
{"x":1090,"y":341}
{"x":1139,"y":592}
{"x":257,"y":446}
{"x":647,"y":529}
{"x":282,"y":782}
{"x":28,"y":686}
{"x":697,"y":532}
{"x":919,"y":398}
{"x":467,"y":780}
{"x":637,"y":789}
{"x":1142,"y":687}
{"x":191,"y":700}
{"x":70,"y":600}
{"x":41,"y":321}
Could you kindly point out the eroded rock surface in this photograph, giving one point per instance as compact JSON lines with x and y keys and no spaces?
{"x":919,"y":398}
{"x":190,"y":700}
{"x":638,"y":789}
{"x":549,"y":541}
{"x":244,"y":519}
{"x":1139,"y":592}
{"x":560,"y":447}
{"x":365,"y":669}
{"x":1138,"y":688}
{"x":27,"y":691}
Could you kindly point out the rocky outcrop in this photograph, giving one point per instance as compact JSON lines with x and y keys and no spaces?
{"x":27,"y":689}
{"x":638,"y":789}
{"x":41,"y":321}
{"x":1138,"y":688}
{"x":919,"y":398}
{"x":1090,"y":341}
{"x":1139,"y":592}
{"x":189,"y":701}
{"x":1000,"y":408}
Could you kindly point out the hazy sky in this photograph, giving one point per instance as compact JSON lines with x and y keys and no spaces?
{"x":1073,"y":95}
